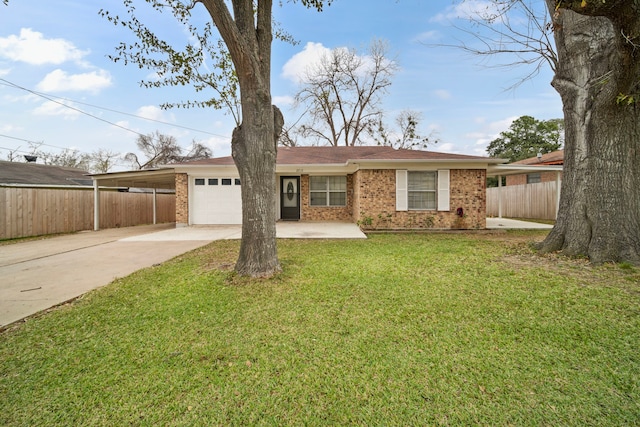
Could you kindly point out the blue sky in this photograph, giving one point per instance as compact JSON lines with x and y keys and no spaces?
{"x":59,"y":50}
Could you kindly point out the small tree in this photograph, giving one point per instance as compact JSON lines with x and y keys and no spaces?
{"x":103,"y":160}
{"x":343,"y":93}
{"x":68,"y":157}
{"x":526,"y":138}
{"x":160,"y":149}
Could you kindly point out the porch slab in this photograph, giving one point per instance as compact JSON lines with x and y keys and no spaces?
{"x":284,"y":230}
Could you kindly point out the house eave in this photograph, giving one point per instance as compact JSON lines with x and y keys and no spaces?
{"x":145,"y":178}
{"x":515,"y":169}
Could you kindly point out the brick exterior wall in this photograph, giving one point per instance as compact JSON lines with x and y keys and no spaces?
{"x":375,"y":195}
{"x":182,"y":199}
{"x":372,"y":194}
{"x":522,"y":179}
{"x":325,"y":213}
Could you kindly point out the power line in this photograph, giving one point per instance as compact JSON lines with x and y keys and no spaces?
{"x":50,"y":98}
{"x":18,"y":150}
{"x":22,"y":139}
{"x":70,"y":107}
{"x":39,"y":143}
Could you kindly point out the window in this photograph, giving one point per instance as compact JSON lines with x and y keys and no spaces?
{"x":199,"y":181}
{"x":422,"y":189}
{"x":328,"y":190}
{"x":213,"y":181}
{"x":533,"y":178}
{"x":237,"y":181}
{"x":226,"y":181}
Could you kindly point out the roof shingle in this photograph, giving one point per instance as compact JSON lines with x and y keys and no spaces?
{"x":36,"y":174}
{"x":341,"y":155}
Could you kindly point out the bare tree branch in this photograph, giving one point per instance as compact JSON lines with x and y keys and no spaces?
{"x":343,"y":93}
{"x":519,"y":30}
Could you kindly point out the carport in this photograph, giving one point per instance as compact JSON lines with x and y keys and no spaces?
{"x":154,"y":179}
{"x":516,"y":169}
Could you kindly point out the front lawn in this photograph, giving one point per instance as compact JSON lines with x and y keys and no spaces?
{"x":399,"y":329}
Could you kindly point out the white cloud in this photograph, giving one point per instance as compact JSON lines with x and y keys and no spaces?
{"x":282,"y":101}
{"x":447,"y":147}
{"x":442,"y":94}
{"x":296,"y":67}
{"x":4,"y":72}
{"x":59,"y":80}
{"x":467,"y":10}
{"x":488,"y":132}
{"x":154,"y":112}
{"x":427,"y":36}
{"x":31,"y":47}
{"x":50,"y":108}
{"x":220,"y":146}
{"x":7,"y":128}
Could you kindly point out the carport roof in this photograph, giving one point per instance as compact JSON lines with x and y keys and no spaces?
{"x":147,"y":178}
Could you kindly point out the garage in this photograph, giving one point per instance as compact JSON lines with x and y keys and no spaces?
{"x":216,"y":200}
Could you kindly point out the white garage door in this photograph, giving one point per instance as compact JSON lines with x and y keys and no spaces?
{"x":216,"y":200}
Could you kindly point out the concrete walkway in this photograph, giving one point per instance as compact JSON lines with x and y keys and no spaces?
{"x":284,"y":230}
{"x":513,"y":224}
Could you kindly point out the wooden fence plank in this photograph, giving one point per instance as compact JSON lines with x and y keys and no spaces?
{"x":36,"y":211}
{"x":535,"y":201}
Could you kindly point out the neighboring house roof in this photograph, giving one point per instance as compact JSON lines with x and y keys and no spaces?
{"x":36,"y":174}
{"x":553,"y":158}
{"x":344,"y":155}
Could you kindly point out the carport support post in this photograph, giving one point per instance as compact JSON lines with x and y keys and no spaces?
{"x":499,"y":196}
{"x":557,"y":193}
{"x":154,"y":206}
{"x":96,"y":205}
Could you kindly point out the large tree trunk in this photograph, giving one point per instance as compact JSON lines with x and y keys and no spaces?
{"x":599,"y":215}
{"x":254,"y":153}
{"x":248,"y":36}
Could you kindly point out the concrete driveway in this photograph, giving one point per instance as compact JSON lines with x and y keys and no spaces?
{"x":39,"y":274}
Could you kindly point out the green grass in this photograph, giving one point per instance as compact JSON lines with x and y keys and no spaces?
{"x":400,"y":329}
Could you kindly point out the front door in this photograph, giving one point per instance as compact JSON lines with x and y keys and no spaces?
{"x":290,"y":198}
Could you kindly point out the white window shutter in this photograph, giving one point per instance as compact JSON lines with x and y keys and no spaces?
{"x":443,"y":190}
{"x":402,"y":199}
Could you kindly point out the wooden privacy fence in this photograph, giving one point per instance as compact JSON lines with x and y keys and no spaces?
{"x":535,"y":201}
{"x":37,"y":211}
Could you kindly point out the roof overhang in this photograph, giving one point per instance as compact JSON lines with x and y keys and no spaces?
{"x":514,"y":169}
{"x":164,"y":178}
